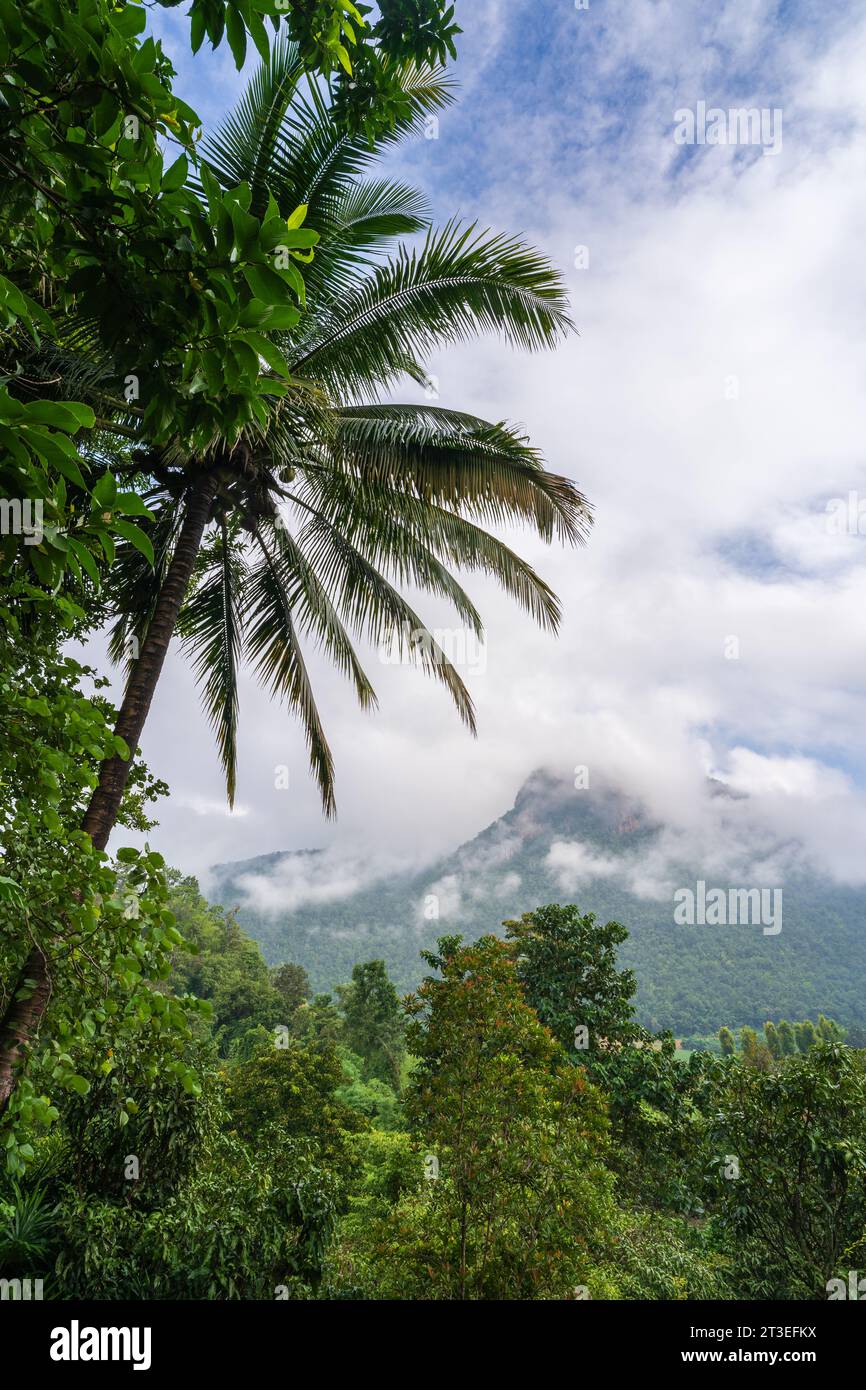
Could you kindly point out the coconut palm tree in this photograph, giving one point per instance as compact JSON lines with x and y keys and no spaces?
{"x":307,"y":526}
{"x":303,"y":528}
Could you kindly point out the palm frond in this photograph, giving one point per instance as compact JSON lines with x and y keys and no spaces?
{"x":273,"y":646}
{"x":316,"y":160}
{"x":246,"y":145}
{"x":380,"y":534}
{"x":363,"y":219}
{"x":461,"y":282}
{"x":372,"y":607}
{"x":211,"y":630}
{"x":316,"y":615}
{"x":454,"y":538}
{"x":281,"y":137}
{"x":456,"y":460}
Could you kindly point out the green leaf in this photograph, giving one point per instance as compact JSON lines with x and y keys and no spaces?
{"x":43,"y":567}
{"x":60,"y":415}
{"x":246,"y":230}
{"x":132,"y":533}
{"x":86,"y":560}
{"x":176,"y":175}
{"x":83,"y":413}
{"x":130,"y":21}
{"x":10,"y":891}
{"x":213,"y":192}
{"x":197,"y":29}
{"x":237,"y":36}
{"x":105,"y":491}
{"x":282,"y":316}
{"x":267,"y":285}
{"x":69,"y":468}
{"x":259,"y":36}
{"x":132,"y":505}
{"x":269,"y":351}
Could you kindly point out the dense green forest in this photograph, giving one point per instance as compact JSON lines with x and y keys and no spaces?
{"x":690,"y":979}
{"x":453,"y":1145}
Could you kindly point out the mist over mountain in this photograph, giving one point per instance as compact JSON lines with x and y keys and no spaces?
{"x":596,"y":846}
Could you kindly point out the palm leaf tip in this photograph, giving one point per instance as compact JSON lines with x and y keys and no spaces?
{"x":574,"y":511}
{"x":211,"y":629}
{"x":274,"y":647}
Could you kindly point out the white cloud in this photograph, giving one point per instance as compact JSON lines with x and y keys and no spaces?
{"x":308,"y":879}
{"x":576,"y":864}
{"x":443,"y":899}
{"x":210,"y":806}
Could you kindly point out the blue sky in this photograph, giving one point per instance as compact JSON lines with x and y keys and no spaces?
{"x":711,"y":408}
{"x":603,"y":81}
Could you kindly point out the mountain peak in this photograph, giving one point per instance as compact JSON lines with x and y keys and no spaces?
{"x":602,"y":849}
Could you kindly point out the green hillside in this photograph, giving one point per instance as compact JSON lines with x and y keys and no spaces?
{"x":691,"y":978}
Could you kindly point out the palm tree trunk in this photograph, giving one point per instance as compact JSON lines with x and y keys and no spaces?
{"x":22,"y":1018}
{"x":24,"y":1015}
{"x":105,"y":802}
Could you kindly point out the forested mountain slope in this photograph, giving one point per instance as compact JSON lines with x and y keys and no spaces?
{"x":594,"y":847}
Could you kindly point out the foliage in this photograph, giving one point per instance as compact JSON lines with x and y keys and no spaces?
{"x":378,"y":1102}
{"x":657,"y":1256}
{"x":141,"y":1208}
{"x":147,"y":1107}
{"x":658,"y":1121}
{"x":162,"y":281}
{"x":110,"y":277}
{"x":106,"y":933}
{"x":292,"y":1091}
{"x":780,"y":1040}
{"x":796,"y":1212}
{"x":26,"y":1220}
{"x":319,"y":1021}
{"x":337,"y":37}
{"x":519,"y":1189}
{"x":373,"y":1022}
{"x":755,"y":1053}
{"x":221,"y":965}
{"x":566,"y":965}
{"x":247,"y":1224}
{"x":292,"y":985}
{"x":276,"y":1170}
